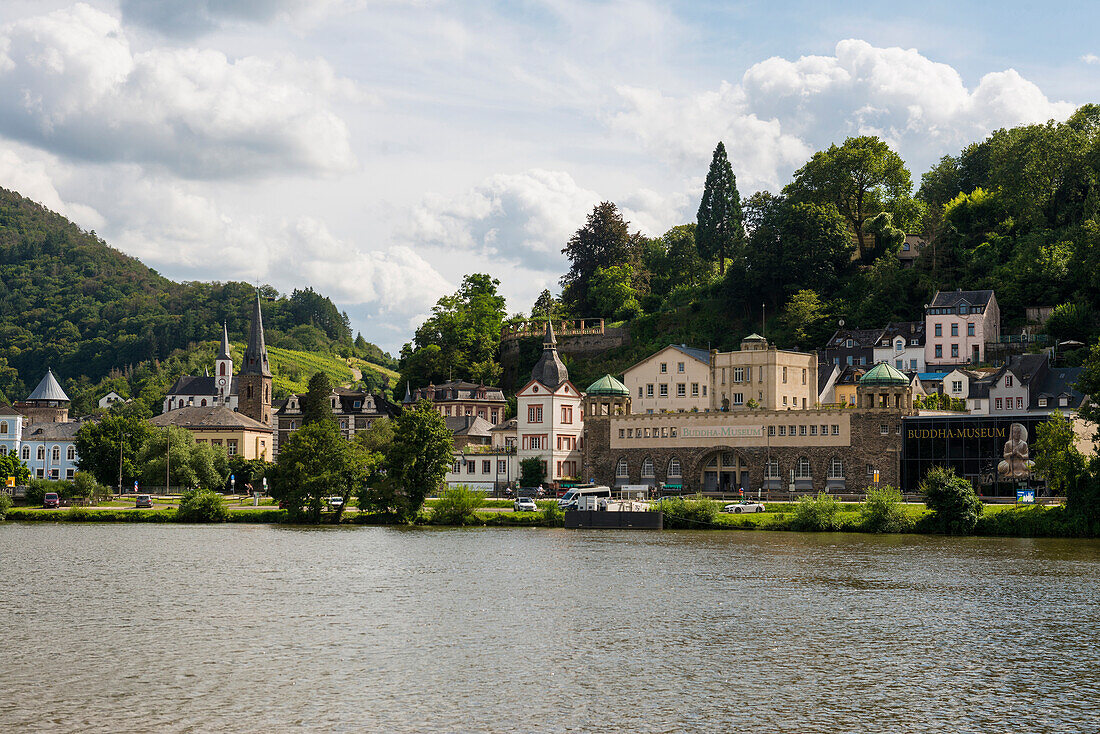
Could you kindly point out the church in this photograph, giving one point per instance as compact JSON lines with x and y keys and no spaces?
{"x":248,"y":392}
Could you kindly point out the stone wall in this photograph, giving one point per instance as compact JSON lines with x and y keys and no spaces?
{"x":867,"y":445}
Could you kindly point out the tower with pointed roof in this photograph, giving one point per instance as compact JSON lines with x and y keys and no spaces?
{"x":254,"y":381}
{"x":223,"y":368}
{"x":47,"y":403}
{"x":550,"y":418}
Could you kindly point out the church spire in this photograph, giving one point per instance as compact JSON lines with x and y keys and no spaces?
{"x":255,"y":355}
{"x":224,"y":353}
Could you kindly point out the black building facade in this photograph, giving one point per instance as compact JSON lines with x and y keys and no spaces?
{"x":993,"y":452}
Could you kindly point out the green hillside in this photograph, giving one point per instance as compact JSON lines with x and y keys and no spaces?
{"x":103,"y":320}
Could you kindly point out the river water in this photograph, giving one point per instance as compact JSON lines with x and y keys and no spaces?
{"x":118,"y":628}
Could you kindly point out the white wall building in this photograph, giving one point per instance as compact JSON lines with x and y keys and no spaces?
{"x":673,"y":380}
{"x":549,"y":420}
{"x":902,"y":346}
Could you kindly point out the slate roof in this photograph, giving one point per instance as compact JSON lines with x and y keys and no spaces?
{"x":51,"y":431}
{"x":509,"y":425}
{"x":549,"y":370}
{"x":949,"y":299}
{"x":203,"y":386}
{"x":908,"y":330}
{"x":1028,"y":367}
{"x":209,"y":417}
{"x":824,"y":374}
{"x":695,"y":353}
{"x":458,"y":390}
{"x":859,"y":337}
{"x":6,"y":409}
{"x":1059,"y":382}
{"x":468,"y":425}
{"x":48,"y":389}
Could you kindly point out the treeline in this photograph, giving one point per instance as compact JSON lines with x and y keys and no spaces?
{"x":1018,"y":213}
{"x":71,"y":302}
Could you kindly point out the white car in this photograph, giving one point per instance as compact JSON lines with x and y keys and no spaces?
{"x":335,"y":502}
{"x":743,"y":506}
{"x":525,"y":504}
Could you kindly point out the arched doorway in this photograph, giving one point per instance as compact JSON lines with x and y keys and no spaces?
{"x":724,"y":471}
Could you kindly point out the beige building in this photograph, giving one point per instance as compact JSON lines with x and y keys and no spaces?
{"x":761,"y":376}
{"x":549,"y":422}
{"x":673,"y":380}
{"x":219,"y":426}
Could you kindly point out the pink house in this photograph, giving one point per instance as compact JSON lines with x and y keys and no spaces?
{"x":957,"y":324}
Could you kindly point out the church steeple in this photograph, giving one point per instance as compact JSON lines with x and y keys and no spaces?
{"x":255,"y":355}
{"x":223,"y":366}
{"x":254,"y":381}
{"x":224,"y":353}
{"x":550,"y":370}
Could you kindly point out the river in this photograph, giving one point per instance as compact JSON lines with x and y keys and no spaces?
{"x":117,"y":628}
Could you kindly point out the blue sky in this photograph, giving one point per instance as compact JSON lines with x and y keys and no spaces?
{"x":378,"y":150}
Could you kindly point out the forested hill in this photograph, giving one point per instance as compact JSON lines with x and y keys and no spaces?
{"x":71,"y":302}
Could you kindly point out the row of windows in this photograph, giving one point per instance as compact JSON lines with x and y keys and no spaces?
{"x":939,"y":351}
{"x":803,"y":430}
{"x":681,"y":390}
{"x":679,"y":367}
{"x":963,"y":309}
{"x":470,"y":466}
{"x":938,"y":329}
{"x":1007,"y":403}
{"x":534,"y":414}
{"x":802,"y":469}
{"x":541,"y":442}
{"x":899,"y":344}
{"x":490,"y":415}
{"x":55,"y":454}
{"x":744,"y":374}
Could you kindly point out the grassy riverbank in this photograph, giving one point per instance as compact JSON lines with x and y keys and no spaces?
{"x":996,"y":520}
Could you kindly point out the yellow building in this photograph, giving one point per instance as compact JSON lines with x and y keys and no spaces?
{"x":772,"y":379}
{"x":219,"y":426}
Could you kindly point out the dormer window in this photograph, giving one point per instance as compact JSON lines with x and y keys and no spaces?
{"x":357,"y":403}
{"x":848,"y":343}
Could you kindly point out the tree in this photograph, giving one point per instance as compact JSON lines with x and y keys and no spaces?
{"x":604,"y":241}
{"x":97,"y":444}
{"x":861,"y":178}
{"x":317,"y":462}
{"x":685,"y":265}
{"x":804,"y":315}
{"x":1056,"y":455}
{"x":315,"y":402}
{"x":463,"y":330}
{"x":191,"y":465}
{"x":532,"y":472}
{"x":419,"y":457}
{"x":611,"y":292}
{"x":955,"y":507}
{"x":1089,"y":384}
{"x":11,"y":466}
{"x":545,"y":306}
{"x":721,"y":231}
{"x":85,"y":486}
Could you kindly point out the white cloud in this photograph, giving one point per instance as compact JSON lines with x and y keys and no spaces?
{"x":523,"y":218}
{"x":782,"y":110}
{"x":70,"y":82}
{"x":31,"y":173}
{"x":1091,"y":59}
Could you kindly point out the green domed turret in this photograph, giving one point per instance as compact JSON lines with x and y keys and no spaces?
{"x":883,"y":374}
{"x":608,"y":385}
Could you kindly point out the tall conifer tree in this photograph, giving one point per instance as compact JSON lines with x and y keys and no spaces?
{"x":721,"y":230}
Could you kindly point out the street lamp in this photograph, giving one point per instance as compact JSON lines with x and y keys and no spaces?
{"x":121,"y":436}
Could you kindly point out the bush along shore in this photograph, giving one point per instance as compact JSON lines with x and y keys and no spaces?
{"x":949,"y":510}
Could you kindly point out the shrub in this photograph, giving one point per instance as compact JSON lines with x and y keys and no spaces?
{"x":817,"y":513}
{"x":85,"y":486}
{"x":456,"y":506}
{"x":883,"y":512}
{"x":202,"y":505}
{"x":552,"y":515}
{"x":951,"y":498}
{"x":689,"y":512}
{"x":5,"y":505}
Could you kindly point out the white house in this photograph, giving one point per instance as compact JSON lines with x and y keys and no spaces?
{"x":901,"y":345}
{"x":110,"y":399}
{"x":549,"y":420}
{"x":11,"y":429}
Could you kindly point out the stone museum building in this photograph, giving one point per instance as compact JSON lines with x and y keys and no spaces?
{"x":812,"y":449}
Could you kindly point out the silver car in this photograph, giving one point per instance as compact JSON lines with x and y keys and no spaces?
{"x":743,"y":506}
{"x":525,"y":504}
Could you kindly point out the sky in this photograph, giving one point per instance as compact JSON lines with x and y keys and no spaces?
{"x":379,"y":150}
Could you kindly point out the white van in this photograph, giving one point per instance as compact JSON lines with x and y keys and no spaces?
{"x":569,"y":500}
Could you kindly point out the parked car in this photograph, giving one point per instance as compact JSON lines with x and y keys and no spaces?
{"x":335,"y":502}
{"x":51,"y":500}
{"x":144,"y":500}
{"x":743,"y":506}
{"x":525,"y":504}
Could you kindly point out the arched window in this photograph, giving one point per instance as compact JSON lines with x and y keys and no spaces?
{"x":221,"y":369}
{"x":56,"y":453}
{"x":647,"y":467}
{"x":41,"y":453}
{"x":836,"y":469}
{"x":622,"y":470}
{"x":674,"y":467}
{"x":771,"y":469}
{"x":3,"y":426}
{"x":803,"y":468}
{"x":203,"y":403}
{"x":26,"y":453}
{"x":70,"y":454}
